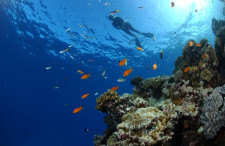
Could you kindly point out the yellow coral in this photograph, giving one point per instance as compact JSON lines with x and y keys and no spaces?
{"x":193,"y":69}
{"x":106,"y":97}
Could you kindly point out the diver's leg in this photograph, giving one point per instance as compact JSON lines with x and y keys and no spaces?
{"x":130,"y":27}
{"x":136,"y":39}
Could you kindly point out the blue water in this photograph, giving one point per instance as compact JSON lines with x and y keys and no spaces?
{"x":32,"y":32}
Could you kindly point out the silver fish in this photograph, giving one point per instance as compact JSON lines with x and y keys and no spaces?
{"x":121,"y":80}
{"x":49,"y":67}
{"x":103,"y":73}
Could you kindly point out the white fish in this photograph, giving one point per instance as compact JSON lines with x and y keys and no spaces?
{"x":83,"y":36}
{"x":103,"y":73}
{"x":121,"y":80}
{"x":100,"y":1}
{"x":49,"y":67}
{"x":56,"y":87}
{"x":82,"y":62}
{"x":70,"y":46}
{"x":125,"y":63}
{"x":96,"y":94}
{"x":90,"y":4}
{"x":71,"y":57}
{"x":63,"y":51}
{"x":68,"y":29}
{"x":105,"y":77}
{"x":82,"y":26}
{"x":107,"y":4}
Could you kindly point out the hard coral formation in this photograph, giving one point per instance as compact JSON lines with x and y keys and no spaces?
{"x":216,"y":25}
{"x":206,"y":75}
{"x":203,"y":42}
{"x":213,"y":112}
{"x":136,"y":81}
{"x":145,"y":126}
{"x":107,"y":98}
{"x":164,"y":107}
{"x":153,"y":82}
{"x":191,"y":54}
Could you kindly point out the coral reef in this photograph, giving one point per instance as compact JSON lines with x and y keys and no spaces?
{"x":204,"y":42}
{"x":206,"y":75}
{"x":213,"y":112}
{"x":153,"y":82}
{"x":185,"y":108}
{"x":136,"y":81}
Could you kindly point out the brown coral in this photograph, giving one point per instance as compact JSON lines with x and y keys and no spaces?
{"x":206,"y":75}
{"x":105,"y":98}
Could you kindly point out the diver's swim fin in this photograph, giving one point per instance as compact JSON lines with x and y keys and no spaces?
{"x":149,"y":35}
{"x":137,"y":42}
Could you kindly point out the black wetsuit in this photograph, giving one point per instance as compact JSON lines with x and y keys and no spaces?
{"x":119,"y":23}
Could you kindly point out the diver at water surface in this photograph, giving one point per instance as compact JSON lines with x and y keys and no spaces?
{"x":119,"y":23}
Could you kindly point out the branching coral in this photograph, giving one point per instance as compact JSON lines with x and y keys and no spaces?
{"x":213,"y":112}
{"x":206,"y":75}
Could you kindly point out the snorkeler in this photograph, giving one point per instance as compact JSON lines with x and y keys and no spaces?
{"x":119,"y":23}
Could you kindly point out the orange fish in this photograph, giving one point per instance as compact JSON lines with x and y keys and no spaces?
{"x":190,"y":43}
{"x":154,"y":66}
{"x":85,"y":76}
{"x":198,"y":45}
{"x":114,"y":88}
{"x":127,"y":72}
{"x":84,"y":96}
{"x":122,"y":62}
{"x":77,"y":109}
{"x":139,"y":48}
{"x":203,"y":56}
{"x":79,"y":71}
{"x":186,"y":69}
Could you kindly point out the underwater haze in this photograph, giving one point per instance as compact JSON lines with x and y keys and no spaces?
{"x":45,"y":42}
